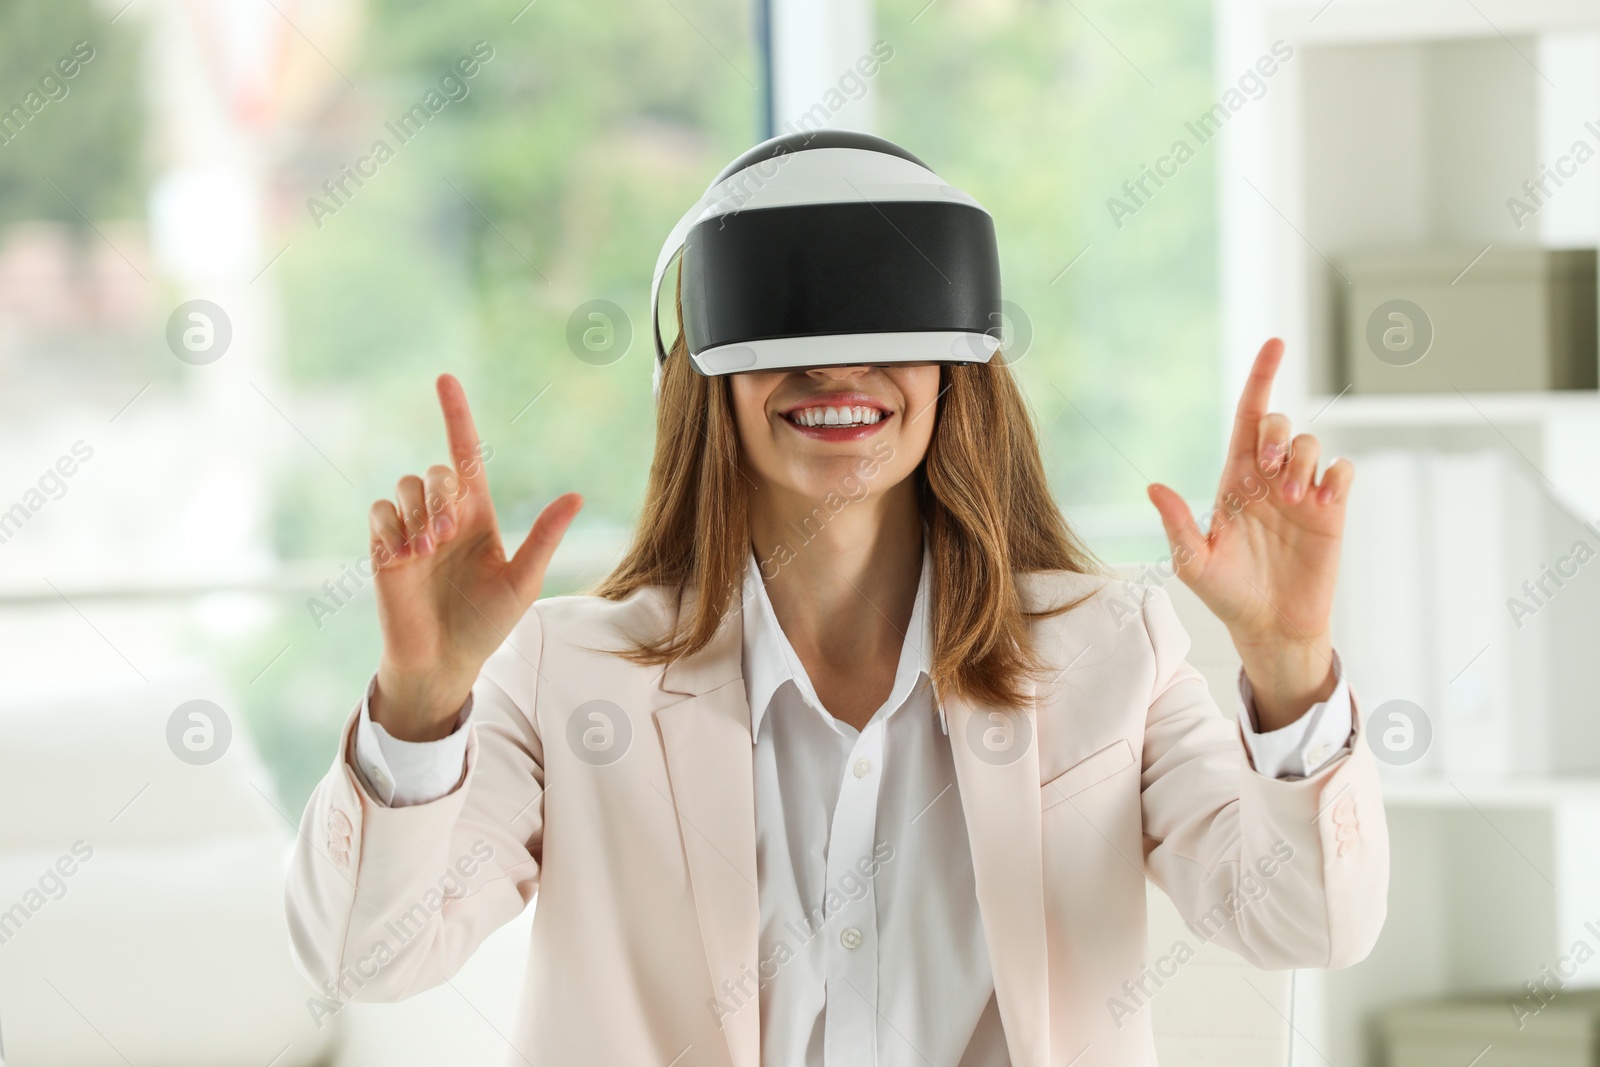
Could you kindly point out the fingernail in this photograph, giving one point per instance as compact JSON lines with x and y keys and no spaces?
{"x":442,"y":525}
{"x":1291,"y":491}
{"x":1271,"y":455}
{"x":424,"y":545}
{"x":1324,"y":495}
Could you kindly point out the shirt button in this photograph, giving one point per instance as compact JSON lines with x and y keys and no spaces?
{"x":850,"y":937}
{"x":863,"y":767}
{"x":1316,"y":755}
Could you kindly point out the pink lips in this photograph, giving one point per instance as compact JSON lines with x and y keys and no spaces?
{"x":838,"y":433}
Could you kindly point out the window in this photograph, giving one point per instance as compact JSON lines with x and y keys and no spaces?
{"x":1043,"y":111}
{"x":364,"y":197}
{"x":366,"y":201}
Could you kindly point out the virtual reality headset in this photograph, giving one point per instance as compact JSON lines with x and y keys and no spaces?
{"x":831,"y":248}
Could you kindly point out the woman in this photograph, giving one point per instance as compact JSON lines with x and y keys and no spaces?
{"x":854,"y":759}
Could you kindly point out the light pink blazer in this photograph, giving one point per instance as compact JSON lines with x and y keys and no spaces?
{"x":645,"y":868}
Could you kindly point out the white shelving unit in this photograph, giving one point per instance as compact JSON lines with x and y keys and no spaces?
{"x":1408,"y":124}
{"x":1492,"y":882}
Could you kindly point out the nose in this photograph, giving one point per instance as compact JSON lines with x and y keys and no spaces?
{"x":836,"y":374}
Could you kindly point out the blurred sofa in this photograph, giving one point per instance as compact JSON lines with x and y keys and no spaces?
{"x":165,"y":943}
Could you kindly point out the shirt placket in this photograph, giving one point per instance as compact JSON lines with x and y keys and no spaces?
{"x":851,"y":929}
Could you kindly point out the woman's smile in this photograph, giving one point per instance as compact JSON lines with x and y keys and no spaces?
{"x":838,"y":417}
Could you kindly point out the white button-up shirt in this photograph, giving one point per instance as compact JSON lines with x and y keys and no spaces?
{"x":871,"y":947}
{"x":872,"y":951}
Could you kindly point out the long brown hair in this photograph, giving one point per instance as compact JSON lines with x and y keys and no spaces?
{"x":981,"y":489}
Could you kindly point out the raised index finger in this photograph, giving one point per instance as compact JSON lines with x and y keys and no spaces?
{"x":1253,"y":401}
{"x":459,"y":430}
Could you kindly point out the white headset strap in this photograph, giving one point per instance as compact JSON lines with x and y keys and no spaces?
{"x":675,"y":241}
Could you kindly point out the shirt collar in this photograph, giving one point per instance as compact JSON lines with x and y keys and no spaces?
{"x":770,"y":660}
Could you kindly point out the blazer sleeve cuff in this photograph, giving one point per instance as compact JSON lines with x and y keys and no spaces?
{"x":404,"y":773}
{"x":1308,"y":744}
{"x":1334,"y":822}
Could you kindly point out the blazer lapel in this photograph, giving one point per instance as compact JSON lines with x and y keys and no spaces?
{"x":707,"y":745}
{"x":996,"y":758}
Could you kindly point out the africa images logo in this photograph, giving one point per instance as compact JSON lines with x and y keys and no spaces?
{"x":1250,"y":86}
{"x":452,"y":88}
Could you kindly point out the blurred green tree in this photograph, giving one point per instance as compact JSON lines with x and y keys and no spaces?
{"x":79,"y":149}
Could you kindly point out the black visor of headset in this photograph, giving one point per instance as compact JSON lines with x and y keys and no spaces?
{"x":826,"y":249}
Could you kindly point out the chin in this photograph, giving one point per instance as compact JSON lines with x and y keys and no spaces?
{"x":851,"y":474}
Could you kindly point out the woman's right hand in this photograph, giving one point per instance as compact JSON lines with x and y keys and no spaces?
{"x":447,"y":595}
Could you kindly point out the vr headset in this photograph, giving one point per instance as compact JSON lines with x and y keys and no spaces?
{"x":831,"y":248}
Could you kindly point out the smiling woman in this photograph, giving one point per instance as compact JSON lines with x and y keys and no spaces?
{"x":801,"y":708}
{"x":981,"y":492}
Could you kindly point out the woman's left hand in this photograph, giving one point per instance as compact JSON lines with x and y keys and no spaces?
{"x":1268,"y":564}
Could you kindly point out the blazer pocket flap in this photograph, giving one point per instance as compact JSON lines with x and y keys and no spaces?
{"x":1091,"y":770}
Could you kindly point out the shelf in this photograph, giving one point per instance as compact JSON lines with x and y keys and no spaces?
{"x":1402,"y":21}
{"x":1451,"y":409}
{"x":1480,"y":792}
{"x":1404,"y":125}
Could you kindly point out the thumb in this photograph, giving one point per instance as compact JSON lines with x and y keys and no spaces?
{"x":527,"y":567}
{"x":1183,"y":535}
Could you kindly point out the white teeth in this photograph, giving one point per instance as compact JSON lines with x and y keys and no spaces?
{"x":835,"y":416}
